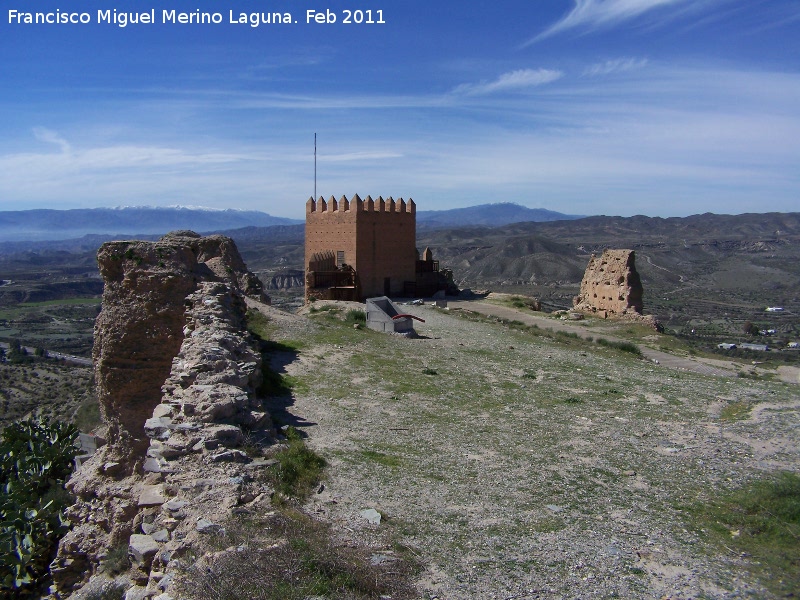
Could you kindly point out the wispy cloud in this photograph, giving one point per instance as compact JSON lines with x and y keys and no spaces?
{"x":360,"y":156}
{"x":51,"y":137}
{"x":662,"y":139}
{"x":617,"y":65}
{"x":513,"y":80}
{"x":594,"y":14}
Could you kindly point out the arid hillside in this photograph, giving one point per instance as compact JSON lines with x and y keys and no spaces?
{"x":522,"y":462}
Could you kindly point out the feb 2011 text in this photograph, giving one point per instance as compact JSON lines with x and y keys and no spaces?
{"x":197,"y":17}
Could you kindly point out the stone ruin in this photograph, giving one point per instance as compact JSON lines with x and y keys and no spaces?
{"x":611,"y":287}
{"x":177,"y":374}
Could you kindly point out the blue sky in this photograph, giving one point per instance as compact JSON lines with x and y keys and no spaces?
{"x":619,"y":107}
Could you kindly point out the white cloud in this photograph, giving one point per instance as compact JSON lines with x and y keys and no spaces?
{"x":593,"y":14}
{"x":51,"y":137}
{"x":359,"y":156}
{"x":513,"y":80}
{"x":660,"y":141}
{"x":618,"y":65}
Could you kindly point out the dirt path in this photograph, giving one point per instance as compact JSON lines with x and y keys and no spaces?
{"x":662,"y":358}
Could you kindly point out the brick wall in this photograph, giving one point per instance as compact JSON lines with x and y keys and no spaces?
{"x":378,"y":238}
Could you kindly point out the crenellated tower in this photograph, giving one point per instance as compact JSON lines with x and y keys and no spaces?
{"x":358,"y":248}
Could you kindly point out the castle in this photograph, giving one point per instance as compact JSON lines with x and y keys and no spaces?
{"x":357,"y":249}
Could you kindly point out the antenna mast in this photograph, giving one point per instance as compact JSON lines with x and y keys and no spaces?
{"x":315,"y":166}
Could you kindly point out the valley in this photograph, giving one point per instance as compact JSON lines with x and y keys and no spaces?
{"x":705,"y":277}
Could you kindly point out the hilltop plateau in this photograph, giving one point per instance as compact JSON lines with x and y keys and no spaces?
{"x":519,"y":461}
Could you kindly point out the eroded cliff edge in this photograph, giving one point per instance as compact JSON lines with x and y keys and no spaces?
{"x":176,"y":375}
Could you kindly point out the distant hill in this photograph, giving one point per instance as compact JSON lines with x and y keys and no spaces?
{"x":489,"y":215}
{"x":47,"y":224}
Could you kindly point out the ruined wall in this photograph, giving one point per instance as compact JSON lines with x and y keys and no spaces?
{"x":611,"y":285}
{"x":176,"y":375}
{"x":140,"y":327}
{"x":378,"y":238}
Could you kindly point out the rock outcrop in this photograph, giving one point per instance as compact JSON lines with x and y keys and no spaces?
{"x":177,"y":375}
{"x":285,"y":279}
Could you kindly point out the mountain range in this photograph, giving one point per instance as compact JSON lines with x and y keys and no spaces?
{"x":50,"y":224}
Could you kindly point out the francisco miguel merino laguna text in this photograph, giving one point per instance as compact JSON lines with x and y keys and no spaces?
{"x":123,"y":19}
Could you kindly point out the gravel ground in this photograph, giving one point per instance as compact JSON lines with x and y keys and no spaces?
{"x":515,"y":466}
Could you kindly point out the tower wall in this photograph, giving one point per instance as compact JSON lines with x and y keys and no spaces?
{"x":330,"y":227}
{"x":386,"y":247}
{"x":377,"y":237}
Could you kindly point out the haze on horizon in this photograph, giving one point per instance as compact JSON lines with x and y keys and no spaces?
{"x":619,"y":107}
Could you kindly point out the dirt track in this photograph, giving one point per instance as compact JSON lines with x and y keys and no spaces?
{"x":658,"y":357}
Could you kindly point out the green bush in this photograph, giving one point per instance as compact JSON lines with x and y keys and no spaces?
{"x":36,"y":459}
{"x":355,"y":315}
{"x":299,"y":469}
{"x":622,"y":346}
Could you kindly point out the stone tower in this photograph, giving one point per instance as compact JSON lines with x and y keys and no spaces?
{"x":611,"y":285}
{"x":357,"y":248}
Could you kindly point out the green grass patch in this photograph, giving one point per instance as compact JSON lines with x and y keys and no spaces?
{"x":299,"y":468}
{"x":355,"y":316}
{"x":387,"y":460}
{"x":762,"y":522}
{"x":259,"y":324}
{"x":628,"y":347}
{"x":736,"y":411}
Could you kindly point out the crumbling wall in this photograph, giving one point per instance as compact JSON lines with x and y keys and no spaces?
{"x":177,"y":375}
{"x":140,"y":327}
{"x":611,"y":285}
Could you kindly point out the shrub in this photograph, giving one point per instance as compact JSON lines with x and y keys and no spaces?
{"x":307,"y":562}
{"x":36,"y":459}
{"x":355,"y":315}
{"x":621,"y":346}
{"x":299,"y":469}
{"x":117,"y":561}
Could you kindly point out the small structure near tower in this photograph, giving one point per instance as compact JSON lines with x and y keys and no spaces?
{"x":384,"y":315}
{"x":356,"y":249}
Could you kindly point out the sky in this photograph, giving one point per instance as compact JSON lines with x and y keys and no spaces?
{"x":617,"y":107}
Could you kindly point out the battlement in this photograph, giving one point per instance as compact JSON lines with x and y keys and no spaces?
{"x":356,"y":204}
